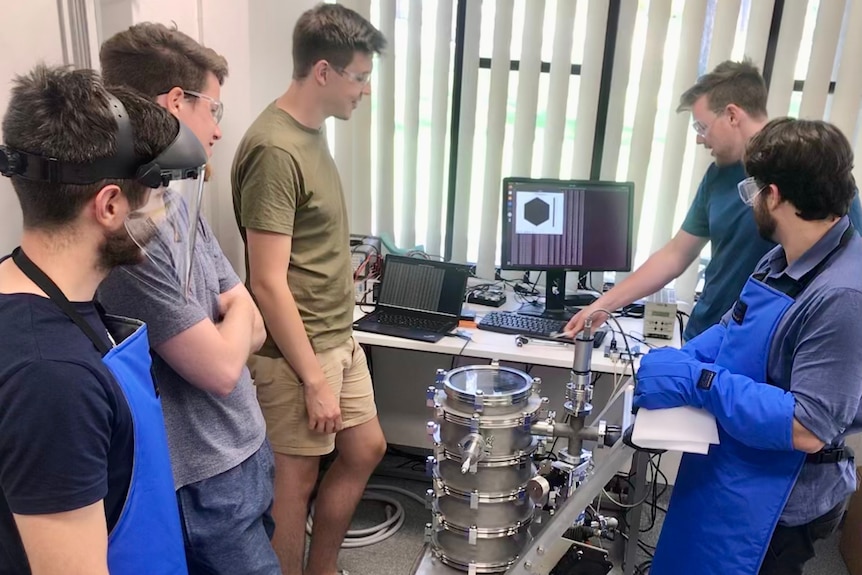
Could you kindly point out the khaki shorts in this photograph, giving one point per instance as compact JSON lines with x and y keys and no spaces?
{"x":282,"y":398}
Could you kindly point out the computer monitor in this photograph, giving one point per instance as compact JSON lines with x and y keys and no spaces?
{"x":557,"y":226}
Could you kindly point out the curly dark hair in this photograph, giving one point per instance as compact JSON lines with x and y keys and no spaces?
{"x":809,"y":161}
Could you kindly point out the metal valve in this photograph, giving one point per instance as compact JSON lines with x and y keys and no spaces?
{"x":472,"y":450}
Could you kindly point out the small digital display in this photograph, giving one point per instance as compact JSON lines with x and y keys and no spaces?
{"x":657,"y":313}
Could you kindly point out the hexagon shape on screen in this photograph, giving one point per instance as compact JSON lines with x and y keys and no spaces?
{"x":537,"y":211}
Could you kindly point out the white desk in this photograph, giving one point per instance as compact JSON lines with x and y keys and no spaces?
{"x":502,"y":347}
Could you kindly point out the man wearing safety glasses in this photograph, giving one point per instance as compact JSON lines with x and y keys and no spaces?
{"x":728,"y":107}
{"x":312,"y":378}
{"x":85,"y":476}
{"x":781,"y":373}
{"x":203,"y":326}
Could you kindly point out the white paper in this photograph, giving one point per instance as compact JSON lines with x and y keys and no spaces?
{"x":677,"y":429}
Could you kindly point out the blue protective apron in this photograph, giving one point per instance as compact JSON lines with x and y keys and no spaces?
{"x":725,"y":505}
{"x":147,"y":537}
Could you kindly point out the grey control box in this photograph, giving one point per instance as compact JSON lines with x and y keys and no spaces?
{"x":660,"y":314}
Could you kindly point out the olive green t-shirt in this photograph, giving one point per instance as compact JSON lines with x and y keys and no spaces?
{"x":285,"y":181}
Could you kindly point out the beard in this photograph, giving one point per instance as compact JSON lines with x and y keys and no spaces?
{"x":119,"y":249}
{"x":766,"y":224}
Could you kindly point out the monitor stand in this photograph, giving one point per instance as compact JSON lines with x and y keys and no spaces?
{"x":555,"y":299}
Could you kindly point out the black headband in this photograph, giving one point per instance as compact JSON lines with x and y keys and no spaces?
{"x":183,"y":158}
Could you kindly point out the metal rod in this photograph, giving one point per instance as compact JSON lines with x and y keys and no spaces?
{"x":639,"y":462}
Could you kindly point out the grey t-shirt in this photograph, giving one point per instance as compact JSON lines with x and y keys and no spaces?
{"x":207,"y":435}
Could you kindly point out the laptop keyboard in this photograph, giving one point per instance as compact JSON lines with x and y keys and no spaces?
{"x":413,"y":322}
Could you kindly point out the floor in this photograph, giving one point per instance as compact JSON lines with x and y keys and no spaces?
{"x":396,"y":555}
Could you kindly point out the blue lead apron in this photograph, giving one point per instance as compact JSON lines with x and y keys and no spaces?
{"x":725,"y":505}
{"x":147,"y":537}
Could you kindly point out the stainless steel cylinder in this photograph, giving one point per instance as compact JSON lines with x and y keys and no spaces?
{"x":481,"y":467}
{"x":482,"y":550}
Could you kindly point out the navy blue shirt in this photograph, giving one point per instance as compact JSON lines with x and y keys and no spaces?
{"x":718,"y":214}
{"x":66,"y":435}
{"x":815,"y":354}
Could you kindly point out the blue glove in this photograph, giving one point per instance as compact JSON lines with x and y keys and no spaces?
{"x":705,"y":346}
{"x":757,"y":414}
{"x":656,"y":387}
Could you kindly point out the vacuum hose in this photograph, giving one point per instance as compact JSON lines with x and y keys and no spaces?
{"x":389,"y":527}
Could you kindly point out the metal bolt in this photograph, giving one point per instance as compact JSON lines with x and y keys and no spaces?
{"x":540,"y":550}
{"x":528,"y":565}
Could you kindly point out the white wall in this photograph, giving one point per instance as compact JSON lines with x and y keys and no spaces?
{"x":112,"y":16}
{"x":31,"y":31}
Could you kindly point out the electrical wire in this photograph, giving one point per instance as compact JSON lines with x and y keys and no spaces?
{"x":377,"y":533}
{"x":467,"y":341}
{"x":621,"y":332}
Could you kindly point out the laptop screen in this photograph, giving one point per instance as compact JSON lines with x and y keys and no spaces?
{"x":423,"y":285}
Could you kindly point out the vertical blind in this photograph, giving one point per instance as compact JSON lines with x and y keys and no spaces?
{"x":526,"y":100}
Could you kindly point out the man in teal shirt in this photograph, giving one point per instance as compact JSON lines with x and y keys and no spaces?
{"x":728,"y":107}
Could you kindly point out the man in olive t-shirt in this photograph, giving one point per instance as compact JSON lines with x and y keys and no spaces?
{"x":312,"y":379}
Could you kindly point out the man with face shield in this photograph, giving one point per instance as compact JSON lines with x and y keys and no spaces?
{"x":85,"y":477}
{"x":781,"y":373}
{"x":202,"y":331}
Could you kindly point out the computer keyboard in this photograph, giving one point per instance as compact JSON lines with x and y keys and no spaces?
{"x":508,"y":322}
{"x":532,"y":326}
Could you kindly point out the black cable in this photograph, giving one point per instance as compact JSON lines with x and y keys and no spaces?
{"x":679,"y":315}
{"x":641,"y":341}
{"x":463,"y":347}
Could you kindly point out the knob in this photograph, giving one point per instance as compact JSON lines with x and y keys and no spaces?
{"x":538,"y":489}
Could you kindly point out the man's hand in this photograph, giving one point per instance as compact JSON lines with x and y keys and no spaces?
{"x":576,"y":324}
{"x":226,"y":301}
{"x":258,"y":332}
{"x":324,"y":413}
{"x":667,"y":378}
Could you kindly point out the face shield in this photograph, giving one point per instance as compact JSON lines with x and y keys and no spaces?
{"x":165,"y":227}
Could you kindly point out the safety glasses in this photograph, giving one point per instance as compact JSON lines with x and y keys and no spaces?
{"x":749,"y":188}
{"x":216,"y":107}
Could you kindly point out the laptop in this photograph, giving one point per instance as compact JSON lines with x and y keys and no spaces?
{"x":419,"y":299}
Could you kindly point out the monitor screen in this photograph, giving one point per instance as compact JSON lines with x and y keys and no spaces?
{"x":567,"y":225}
{"x":423,"y":285}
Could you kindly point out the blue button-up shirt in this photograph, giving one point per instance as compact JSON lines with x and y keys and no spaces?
{"x":816,"y":353}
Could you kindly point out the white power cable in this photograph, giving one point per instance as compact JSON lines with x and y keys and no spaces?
{"x":389,"y":527}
